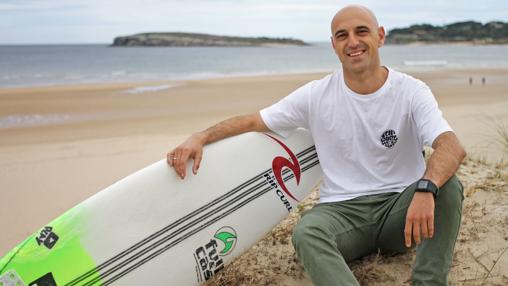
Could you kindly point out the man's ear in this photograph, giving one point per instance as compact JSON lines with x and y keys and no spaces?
{"x":382,"y":35}
{"x":333,"y":43}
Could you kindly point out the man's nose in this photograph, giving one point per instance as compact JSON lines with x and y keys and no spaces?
{"x":353,"y":41}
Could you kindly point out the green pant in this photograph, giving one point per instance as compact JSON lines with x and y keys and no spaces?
{"x":331,"y":234}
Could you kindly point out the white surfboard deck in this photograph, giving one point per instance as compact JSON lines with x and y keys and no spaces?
{"x":152,"y":228}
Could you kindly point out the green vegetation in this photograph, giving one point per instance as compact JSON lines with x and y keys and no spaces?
{"x":199,"y":40}
{"x":494,"y":32}
{"x":502,"y":132}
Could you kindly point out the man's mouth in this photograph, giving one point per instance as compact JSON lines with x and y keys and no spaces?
{"x":356,"y":53}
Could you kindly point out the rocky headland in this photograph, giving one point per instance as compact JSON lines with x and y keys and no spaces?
{"x":199,"y":40}
{"x":494,"y":32}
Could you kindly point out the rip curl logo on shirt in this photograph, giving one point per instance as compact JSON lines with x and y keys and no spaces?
{"x":389,"y":138}
{"x":280,"y":162}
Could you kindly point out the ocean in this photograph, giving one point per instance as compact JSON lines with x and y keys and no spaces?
{"x":43,"y":65}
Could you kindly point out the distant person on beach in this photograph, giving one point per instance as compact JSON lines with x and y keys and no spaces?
{"x":470,"y":81}
{"x":483,"y":81}
{"x":369,"y":124}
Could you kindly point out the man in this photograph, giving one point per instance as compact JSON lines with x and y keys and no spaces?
{"x":369,"y":124}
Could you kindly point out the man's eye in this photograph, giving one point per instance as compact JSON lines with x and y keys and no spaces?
{"x":340,"y":36}
{"x":363,"y":32}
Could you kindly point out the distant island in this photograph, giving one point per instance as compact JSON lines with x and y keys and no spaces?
{"x":494,"y":32}
{"x":199,"y":40}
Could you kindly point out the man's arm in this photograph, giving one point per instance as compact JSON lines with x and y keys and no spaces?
{"x":192,"y":148}
{"x":445,"y":160}
{"x":442,"y":164}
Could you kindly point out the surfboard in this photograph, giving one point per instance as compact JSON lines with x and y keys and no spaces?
{"x":152,"y":228}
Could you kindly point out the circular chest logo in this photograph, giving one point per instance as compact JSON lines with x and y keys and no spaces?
{"x":389,"y":138}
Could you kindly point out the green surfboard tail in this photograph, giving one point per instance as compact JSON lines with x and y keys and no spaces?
{"x":54,"y":253}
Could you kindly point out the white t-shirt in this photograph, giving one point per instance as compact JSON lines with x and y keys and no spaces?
{"x":366,"y":144}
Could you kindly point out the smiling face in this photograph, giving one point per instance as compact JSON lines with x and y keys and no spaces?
{"x":356,"y":38}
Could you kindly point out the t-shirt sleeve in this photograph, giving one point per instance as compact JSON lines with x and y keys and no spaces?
{"x":289,"y":113}
{"x":428,"y":118}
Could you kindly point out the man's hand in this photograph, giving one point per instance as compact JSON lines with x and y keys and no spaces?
{"x":192,"y":148}
{"x":420,"y":216}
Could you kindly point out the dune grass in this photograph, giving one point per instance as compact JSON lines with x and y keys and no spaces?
{"x":502,"y":133}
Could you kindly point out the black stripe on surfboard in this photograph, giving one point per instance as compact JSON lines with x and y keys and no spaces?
{"x":192,"y":232}
{"x":306,"y":151}
{"x":167,"y":238}
{"x":154,"y":236}
{"x":305,"y":168}
{"x":174,"y":224}
{"x":180,"y":230}
{"x":302,"y":162}
{"x":167,"y":247}
{"x":172,"y":235}
{"x":164,"y":239}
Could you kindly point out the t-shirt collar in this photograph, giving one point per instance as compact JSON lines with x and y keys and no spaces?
{"x":369,"y":96}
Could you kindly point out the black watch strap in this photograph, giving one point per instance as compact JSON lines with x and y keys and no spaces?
{"x":426,"y":186}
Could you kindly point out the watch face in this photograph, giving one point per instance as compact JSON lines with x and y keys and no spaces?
{"x":423,"y":184}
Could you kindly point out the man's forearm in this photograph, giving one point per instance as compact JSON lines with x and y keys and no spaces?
{"x":231,"y":127}
{"x":445,"y":160}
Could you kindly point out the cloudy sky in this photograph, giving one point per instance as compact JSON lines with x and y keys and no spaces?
{"x":99,"y":21}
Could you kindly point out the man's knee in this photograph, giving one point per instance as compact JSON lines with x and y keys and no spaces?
{"x":303,"y":232}
{"x":451,"y":194}
{"x":307,"y":231}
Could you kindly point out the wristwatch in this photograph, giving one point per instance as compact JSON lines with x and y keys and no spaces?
{"x":426,"y":186}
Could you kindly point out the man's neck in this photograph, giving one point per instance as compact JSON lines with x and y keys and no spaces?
{"x":366,"y":82}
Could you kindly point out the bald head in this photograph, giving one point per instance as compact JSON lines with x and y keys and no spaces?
{"x":356,"y":11}
{"x":356,"y":39}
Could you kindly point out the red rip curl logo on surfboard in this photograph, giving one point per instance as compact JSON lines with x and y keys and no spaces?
{"x":280,"y":162}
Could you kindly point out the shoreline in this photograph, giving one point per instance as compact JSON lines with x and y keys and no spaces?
{"x":423,"y":69}
{"x":105,"y":86}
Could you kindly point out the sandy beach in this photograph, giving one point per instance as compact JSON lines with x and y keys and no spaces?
{"x":60,"y":145}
